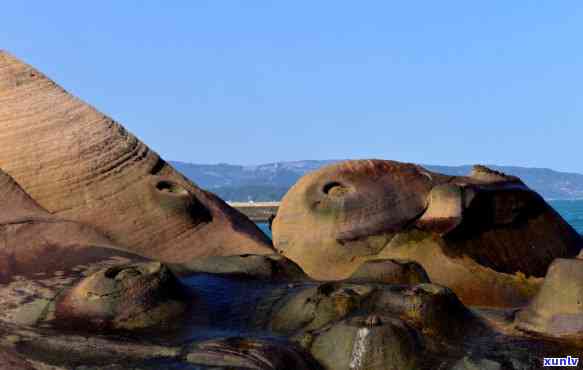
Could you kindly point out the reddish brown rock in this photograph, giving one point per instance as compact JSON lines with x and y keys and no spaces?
{"x":83,"y":166}
{"x":33,"y":242}
{"x":43,"y":256}
{"x":487,"y":236}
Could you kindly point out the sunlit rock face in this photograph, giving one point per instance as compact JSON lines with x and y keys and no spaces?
{"x":81,"y":165}
{"x":35,"y":243}
{"x":487,"y":236}
{"x":557,"y":310}
{"x":65,"y":272}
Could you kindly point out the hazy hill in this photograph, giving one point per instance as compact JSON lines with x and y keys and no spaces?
{"x":270,"y":181}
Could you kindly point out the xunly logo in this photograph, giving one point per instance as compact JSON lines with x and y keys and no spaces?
{"x":561,"y":361}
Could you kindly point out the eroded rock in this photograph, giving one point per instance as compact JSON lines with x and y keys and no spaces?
{"x":487,"y":236}
{"x":362,"y":343}
{"x":249,"y":353}
{"x":134,"y":296}
{"x":273,"y":267}
{"x":557,"y":310}
{"x":101,"y":175}
{"x":390,"y":271}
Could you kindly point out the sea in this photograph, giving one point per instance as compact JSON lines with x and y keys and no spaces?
{"x":571,"y":210}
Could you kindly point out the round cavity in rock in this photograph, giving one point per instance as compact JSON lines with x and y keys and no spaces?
{"x":557,"y":310}
{"x":389,"y":344}
{"x":170,"y":187}
{"x":390,"y":271}
{"x":127,"y":297}
{"x":335,"y":189}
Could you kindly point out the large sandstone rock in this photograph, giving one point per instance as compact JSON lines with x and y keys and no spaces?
{"x":35,"y":243}
{"x":50,"y":271}
{"x":487,"y":236}
{"x":81,"y":165}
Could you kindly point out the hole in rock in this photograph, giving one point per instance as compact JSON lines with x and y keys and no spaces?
{"x":335,"y":189}
{"x":170,"y":187}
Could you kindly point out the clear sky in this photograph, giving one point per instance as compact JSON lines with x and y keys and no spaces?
{"x":249,"y":82}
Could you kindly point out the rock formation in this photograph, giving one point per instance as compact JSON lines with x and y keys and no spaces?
{"x":387,"y":271}
{"x":81,"y":165}
{"x":42,"y":257}
{"x":557,"y":310}
{"x":29,"y":234}
{"x":79,"y":288}
{"x":128,"y":297}
{"x":487,"y":236}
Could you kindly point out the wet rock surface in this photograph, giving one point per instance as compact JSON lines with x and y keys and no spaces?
{"x":348,"y":327}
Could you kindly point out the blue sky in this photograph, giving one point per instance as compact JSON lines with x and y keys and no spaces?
{"x":248,"y":82}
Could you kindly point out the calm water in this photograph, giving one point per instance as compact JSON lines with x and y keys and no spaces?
{"x":571,"y":210}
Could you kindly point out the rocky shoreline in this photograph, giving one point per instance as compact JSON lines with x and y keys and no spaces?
{"x":112,"y":259}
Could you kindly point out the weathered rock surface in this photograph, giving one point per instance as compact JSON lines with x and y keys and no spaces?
{"x":34,"y":243}
{"x":338,"y":325}
{"x":357,"y":343}
{"x":486,"y":236}
{"x":557,"y":310}
{"x":42,"y":257}
{"x":253,"y":354}
{"x":81,"y":165}
{"x":273,"y":267}
{"x":9,"y":360}
{"x":127,"y":297}
{"x":390,"y":271}
{"x":78,"y":288}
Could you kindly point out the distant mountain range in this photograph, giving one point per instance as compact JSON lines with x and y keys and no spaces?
{"x":269,"y":182}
